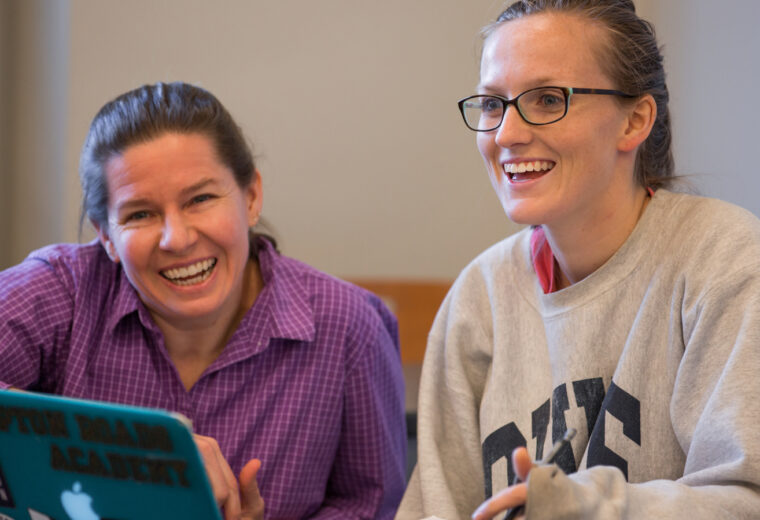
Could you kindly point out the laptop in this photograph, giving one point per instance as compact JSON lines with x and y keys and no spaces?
{"x":71,"y":459}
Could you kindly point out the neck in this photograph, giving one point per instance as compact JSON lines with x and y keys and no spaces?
{"x":583,"y":247}
{"x":194,"y":344}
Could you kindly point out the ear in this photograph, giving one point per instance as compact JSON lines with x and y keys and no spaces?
{"x":106,"y":242}
{"x":254,"y":199}
{"x":641,"y":118}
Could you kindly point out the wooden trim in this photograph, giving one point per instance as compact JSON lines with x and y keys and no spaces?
{"x":415,"y":304}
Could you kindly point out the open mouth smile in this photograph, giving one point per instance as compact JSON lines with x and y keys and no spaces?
{"x":190,"y":274}
{"x":527,"y":171}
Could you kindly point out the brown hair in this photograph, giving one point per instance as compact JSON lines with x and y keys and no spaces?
{"x":146,"y":113}
{"x":631,"y":58}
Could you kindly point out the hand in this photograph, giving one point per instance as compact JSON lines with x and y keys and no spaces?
{"x":239,"y":500}
{"x":513,"y":496}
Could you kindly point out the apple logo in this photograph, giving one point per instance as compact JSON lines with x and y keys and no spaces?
{"x":78,"y":505}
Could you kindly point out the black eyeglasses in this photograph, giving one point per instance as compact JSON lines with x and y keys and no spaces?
{"x":537,"y":106}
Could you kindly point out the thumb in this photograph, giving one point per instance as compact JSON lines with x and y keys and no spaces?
{"x":251,"y":503}
{"x":522,"y":463}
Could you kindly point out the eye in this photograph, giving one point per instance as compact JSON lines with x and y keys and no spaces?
{"x":201,"y":198}
{"x":547,"y":98}
{"x":490,"y":105}
{"x":551,"y":100}
{"x":137,"y":215}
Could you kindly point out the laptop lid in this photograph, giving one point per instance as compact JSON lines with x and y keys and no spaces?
{"x":70,"y":459}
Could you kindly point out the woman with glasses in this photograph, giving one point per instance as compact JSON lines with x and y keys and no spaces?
{"x":625,"y":313}
{"x":292,"y":379}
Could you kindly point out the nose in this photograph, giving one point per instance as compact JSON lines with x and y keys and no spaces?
{"x":514,"y":130}
{"x":178,"y":234}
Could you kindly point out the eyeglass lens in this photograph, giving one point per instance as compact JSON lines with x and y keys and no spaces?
{"x":537,"y":106}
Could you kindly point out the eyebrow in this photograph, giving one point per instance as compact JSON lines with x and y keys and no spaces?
{"x":538,"y":82}
{"x":132,"y":203}
{"x":197,"y":186}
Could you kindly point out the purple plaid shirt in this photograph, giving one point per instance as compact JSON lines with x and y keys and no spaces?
{"x":310,"y":382}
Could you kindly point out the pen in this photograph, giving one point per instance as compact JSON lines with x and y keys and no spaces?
{"x":548,"y":459}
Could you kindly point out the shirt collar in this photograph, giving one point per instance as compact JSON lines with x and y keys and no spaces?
{"x":284,"y":299}
{"x":125,"y":299}
{"x":544,"y":262}
{"x":282,"y":309}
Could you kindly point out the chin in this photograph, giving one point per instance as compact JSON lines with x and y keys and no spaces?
{"x":523,"y":220}
{"x":184,"y":311}
{"x":523,"y":214}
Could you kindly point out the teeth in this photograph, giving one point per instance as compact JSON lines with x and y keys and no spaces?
{"x":196,"y":279}
{"x":532,"y":166}
{"x":190,"y":274}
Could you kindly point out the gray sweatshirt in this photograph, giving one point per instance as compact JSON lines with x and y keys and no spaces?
{"x":654,"y":359}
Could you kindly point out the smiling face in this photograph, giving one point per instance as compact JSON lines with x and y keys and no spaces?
{"x":178,"y":224}
{"x":572,"y":172}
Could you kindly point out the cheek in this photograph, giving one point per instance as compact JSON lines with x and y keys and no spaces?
{"x":486,"y":146}
{"x":132,"y":247}
{"x":489,"y":150}
{"x":593,"y":159}
{"x":230,"y":230}
{"x":238,"y":220}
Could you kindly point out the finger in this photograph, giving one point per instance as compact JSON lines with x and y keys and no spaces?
{"x":508,"y":498}
{"x":214,"y":474}
{"x":251,"y":503}
{"x":231,"y":504}
{"x":223,"y":483}
{"x":522,"y":463}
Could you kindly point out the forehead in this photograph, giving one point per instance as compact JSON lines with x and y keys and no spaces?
{"x":172,"y":147}
{"x":556,"y":48}
{"x":168,"y":160}
{"x":170,"y":150}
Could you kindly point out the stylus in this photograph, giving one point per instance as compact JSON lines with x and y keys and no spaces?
{"x":548,"y":459}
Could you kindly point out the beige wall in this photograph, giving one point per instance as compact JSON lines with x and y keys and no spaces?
{"x":369,"y":171}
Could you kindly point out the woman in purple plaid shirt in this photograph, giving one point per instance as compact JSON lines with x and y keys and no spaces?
{"x":292,"y":378}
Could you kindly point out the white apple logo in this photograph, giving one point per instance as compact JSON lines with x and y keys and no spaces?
{"x":78,"y":505}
